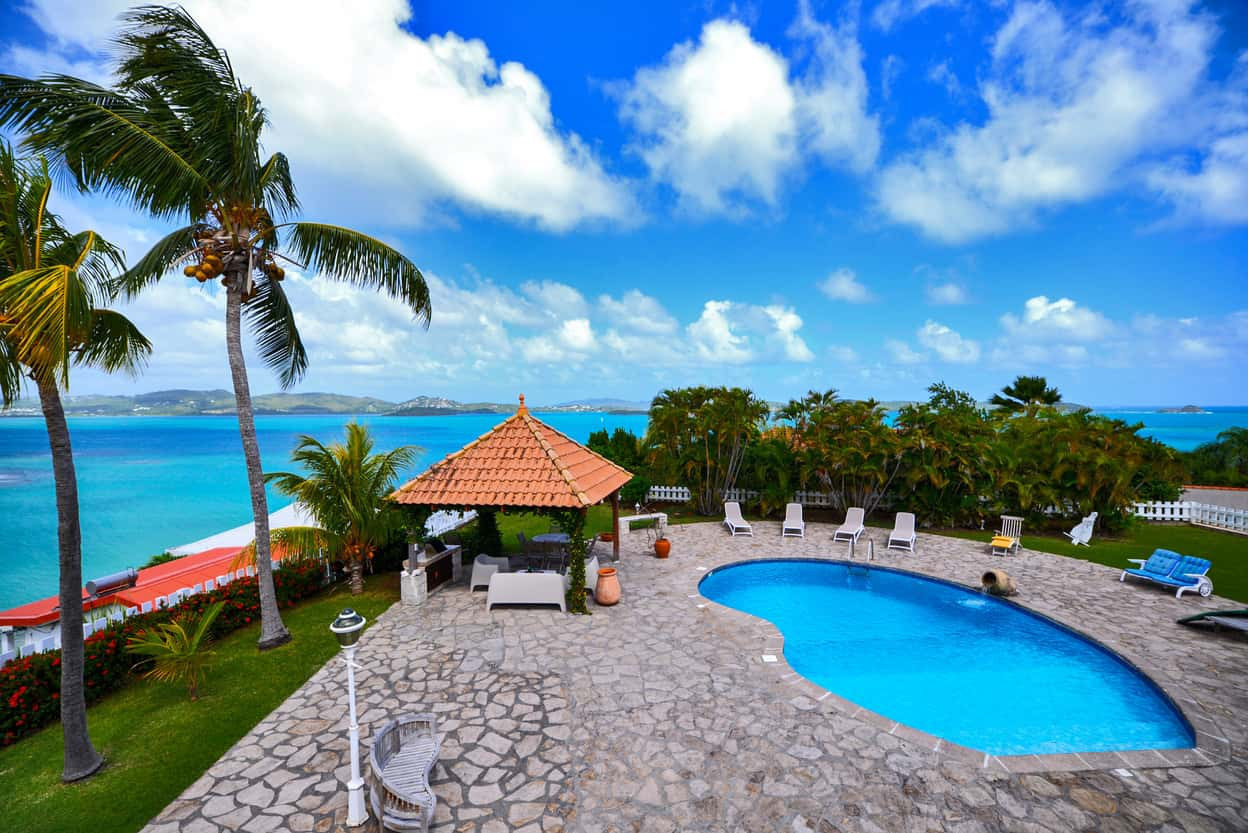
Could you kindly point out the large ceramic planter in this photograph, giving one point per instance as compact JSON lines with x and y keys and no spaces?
{"x":662,"y":547}
{"x":608,"y":537}
{"x":607,"y":591}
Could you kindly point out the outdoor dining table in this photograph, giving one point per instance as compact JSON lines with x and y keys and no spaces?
{"x":550,"y":538}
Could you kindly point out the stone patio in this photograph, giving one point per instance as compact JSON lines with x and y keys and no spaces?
{"x":660,"y":715}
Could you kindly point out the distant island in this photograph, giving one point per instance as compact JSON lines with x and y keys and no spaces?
{"x":221,"y":403}
{"x":1186,"y":409}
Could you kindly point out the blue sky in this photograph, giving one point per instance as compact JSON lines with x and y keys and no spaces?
{"x":870,"y":197}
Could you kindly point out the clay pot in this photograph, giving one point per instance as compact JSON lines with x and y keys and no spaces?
{"x":999,"y":583}
{"x":607,"y":591}
{"x":606,"y":536}
{"x":662,"y":547}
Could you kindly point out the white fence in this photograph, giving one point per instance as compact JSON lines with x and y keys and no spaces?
{"x":1186,"y":511}
{"x":442,"y":522}
{"x":1189,"y":511}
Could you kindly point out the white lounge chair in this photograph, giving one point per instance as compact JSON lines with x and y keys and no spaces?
{"x":526,"y":588}
{"x":794,"y":526}
{"x":852,"y":528}
{"x":484,"y":566}
{"x":1082,"y":533}
{"x":1009,"y":537}
{"x":902,"y":537}
{"x":732,"y":519}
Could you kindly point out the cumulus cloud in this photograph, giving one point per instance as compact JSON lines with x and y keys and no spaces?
{"x":901,"y":352}
{"x":1215,"y":189}
{"x":425,"y":122}
{"x":1059,"y":320}
{"x":889,"y":13}
{"x":1074,"y":106}
{"x":634,"y":310}
{"x":843,"y":285}
{"x":946,"y":294}
{"x":735,"y":333}
{"x":947,"y":344}
{"x":725,"y":120}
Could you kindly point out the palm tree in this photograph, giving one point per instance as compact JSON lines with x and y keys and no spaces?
{"x":179,"y":651}
{"x":52,"y":286}
{"x":1026,"y":391}
{"x":346,"y":489}
{"x":180,"y":137}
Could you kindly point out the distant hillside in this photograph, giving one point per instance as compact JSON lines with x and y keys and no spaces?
{"x":208,"y":403}
{"x":441,"y":406}
{"x":618,"y":406}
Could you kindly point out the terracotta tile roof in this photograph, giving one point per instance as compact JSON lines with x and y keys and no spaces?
{"x":160,"y":580}
{"x":521,"y":462}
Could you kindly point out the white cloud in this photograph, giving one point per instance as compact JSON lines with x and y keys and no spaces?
{"x":946,"y":294}
{"x":947,"y":344}
{"x":1073,"y":107}
{"x":424,"y":121}
{"x":724,"y":124}
{"x":787,"y":323}
{"x":843,"y":285}
{"x":1216,"y":190}
{"x":942,"y":75}
{"x":577,"y":334}
{"x":901,"y":352}
{"x":714,"y":337}
{"x":888,"y":13}
{"x":843,"y":353}
{"x":1059,"y":320}
{"x":635,"y":310}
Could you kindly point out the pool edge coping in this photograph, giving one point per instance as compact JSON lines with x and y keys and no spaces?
{"x":1211,"y":749}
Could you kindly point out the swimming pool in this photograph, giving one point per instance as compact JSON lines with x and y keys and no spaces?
{"x":949,"y":661}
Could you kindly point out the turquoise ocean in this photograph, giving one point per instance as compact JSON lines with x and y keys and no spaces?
{"x":149,"y":483}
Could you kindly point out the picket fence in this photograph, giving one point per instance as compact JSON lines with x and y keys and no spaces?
{"x":1186,"y":511}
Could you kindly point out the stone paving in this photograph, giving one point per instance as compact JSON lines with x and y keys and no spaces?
{"x":659,"y":715}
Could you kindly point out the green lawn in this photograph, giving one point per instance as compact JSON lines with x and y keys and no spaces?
{"x":1227,"y":551}
{"x":156,"y":742}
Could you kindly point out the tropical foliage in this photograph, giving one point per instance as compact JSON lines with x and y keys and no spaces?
{"x":1220,"y":463}
{"x":1026,"y":392}
{"x":948,"y":460}
{"x":699,"y":436}
{"x":626,"y":449}
{"x":345,"y":486}
{"x":180,"y":650}
{"x":180,"y":136}
{"x":54,"y":289}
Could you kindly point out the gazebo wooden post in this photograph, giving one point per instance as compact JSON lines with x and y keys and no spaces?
{"x":615,"y":525}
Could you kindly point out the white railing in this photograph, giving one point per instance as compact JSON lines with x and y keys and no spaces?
{"x":442,"y":522}
{"x":1189,"y":511}
{"x":1184,"y":511}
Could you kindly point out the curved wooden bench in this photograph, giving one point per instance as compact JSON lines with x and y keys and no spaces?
{"x":402,"y":756}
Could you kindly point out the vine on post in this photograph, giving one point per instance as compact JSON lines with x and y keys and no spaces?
{"x":572,"y":521}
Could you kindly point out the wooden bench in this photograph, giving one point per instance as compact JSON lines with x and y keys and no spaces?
{"x":402,"y":756}
{"x":626,"y":521}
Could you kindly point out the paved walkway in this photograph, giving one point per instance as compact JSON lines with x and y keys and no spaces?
{"x":659,"y":715}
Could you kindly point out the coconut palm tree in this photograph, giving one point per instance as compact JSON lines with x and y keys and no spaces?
{"x":52,"y":288}
{"x":179,"y":136}
{"x":1024,"y":392}
{"x":346,"y":490}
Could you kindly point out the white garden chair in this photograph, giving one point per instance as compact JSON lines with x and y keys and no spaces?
{"x":902,"y":537}
{"x":794,"y":526}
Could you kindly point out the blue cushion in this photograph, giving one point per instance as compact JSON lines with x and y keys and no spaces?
{"x":1188,"y":567}
{"x":1160,"y":563}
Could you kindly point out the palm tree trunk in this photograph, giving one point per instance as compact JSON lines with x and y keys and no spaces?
{"x":272,"y":630}
{"x":81,"y":759}
{"x":357,"y":575}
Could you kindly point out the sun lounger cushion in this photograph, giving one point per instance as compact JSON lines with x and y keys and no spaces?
{"x":1159,"y":564}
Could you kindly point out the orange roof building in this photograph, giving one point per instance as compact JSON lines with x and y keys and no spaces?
{"x":521,"y":463}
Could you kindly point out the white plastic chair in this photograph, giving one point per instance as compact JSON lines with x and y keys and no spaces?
{"x":853,"y":526}
{"x":1082,"y":533}
{"x":484,"y":566}
{"x":733,"y":519}
{"x":794,"y":526}
{"x":902,"y":537}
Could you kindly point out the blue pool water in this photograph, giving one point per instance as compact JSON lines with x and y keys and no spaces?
{"x":951,"y":662}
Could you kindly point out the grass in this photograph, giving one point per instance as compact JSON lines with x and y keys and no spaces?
{"x":156,"y":742}
{"x":1227,"y":551}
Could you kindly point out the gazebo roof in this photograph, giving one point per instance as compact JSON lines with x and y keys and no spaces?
{"x":521,"y":462}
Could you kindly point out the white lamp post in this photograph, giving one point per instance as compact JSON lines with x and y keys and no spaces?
{"x":347,"y":627}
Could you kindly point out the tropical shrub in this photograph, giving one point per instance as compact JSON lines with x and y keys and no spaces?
{"x":30,"y":686}
{"x":948,"y":444}
{"x":1220,"y":463}
{"x":178,"y":650}
{"x":698,"y":437}
{"x":624,"y":448}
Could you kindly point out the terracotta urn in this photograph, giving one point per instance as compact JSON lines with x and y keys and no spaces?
{"x":606,"y":536}
{"x":607,"y":591}
{"x":662,"y":547}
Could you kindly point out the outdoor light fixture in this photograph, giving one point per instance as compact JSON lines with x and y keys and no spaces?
{"x":348,"y":627}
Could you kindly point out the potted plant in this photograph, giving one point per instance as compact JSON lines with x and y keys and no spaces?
{"x":662,"y":546}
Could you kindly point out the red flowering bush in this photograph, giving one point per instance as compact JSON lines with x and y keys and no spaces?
{"x":30,"y":686}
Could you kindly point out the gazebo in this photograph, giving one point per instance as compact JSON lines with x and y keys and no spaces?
{"x":523,"y":464}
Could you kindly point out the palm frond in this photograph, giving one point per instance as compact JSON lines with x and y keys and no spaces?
{"x":11,"y":378}
{"x":50,"y":311}
{"x":355,"y":258}
{"x":114,"y":344}
{"x":108,"y":142}
{"x":295,"y":544}
{"x":158,"y":262}
{"x":272,"y":320}
{"x":278,"y":186}
{"x":95,"y":261}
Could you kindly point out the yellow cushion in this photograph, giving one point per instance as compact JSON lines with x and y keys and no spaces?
{"x":1002,"y":541}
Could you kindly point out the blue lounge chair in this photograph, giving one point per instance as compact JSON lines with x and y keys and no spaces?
{"x":1182,"y":572}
